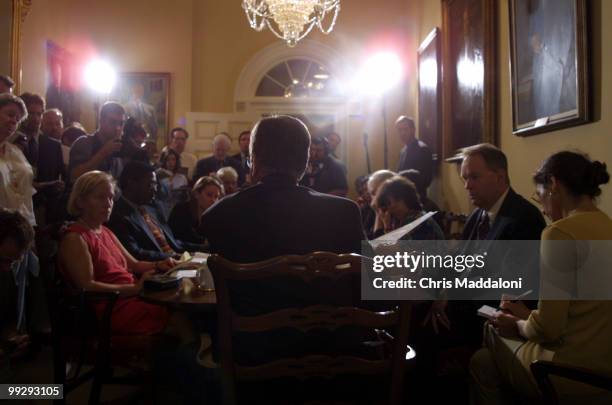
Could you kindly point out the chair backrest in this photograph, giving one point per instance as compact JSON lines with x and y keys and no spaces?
{"x":543,"y":370}
{"x":310,"y":293}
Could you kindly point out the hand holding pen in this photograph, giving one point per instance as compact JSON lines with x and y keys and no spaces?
{"x":515,"y":306}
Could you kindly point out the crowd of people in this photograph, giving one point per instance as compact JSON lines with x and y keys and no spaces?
{"x":129,"y":213}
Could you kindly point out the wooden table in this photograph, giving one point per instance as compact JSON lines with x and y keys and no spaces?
{"x":196,"y":301}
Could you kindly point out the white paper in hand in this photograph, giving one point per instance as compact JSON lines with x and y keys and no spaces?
{"x":397,"y":234}
{"x":487,"y":312}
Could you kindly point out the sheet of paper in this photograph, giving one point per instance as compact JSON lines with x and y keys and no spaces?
{"x":397,"y":234}
{"x":186,"y":273}
{"x":200,"y":257}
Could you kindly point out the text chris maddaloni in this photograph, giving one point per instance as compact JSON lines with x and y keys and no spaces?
{"x":456,"y":283}
{"x":426,"y":271}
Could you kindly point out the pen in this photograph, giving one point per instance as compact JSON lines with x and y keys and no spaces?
{"x":516,"y":299}
{"x":523,"y":295}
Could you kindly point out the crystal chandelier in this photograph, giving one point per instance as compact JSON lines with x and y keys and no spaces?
{"x":291,"y":20}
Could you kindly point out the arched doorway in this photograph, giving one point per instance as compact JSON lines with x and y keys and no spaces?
{"x":303,"y":81}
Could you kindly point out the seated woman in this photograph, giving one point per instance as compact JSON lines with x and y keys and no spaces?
{"x":173,"y":184}
{"x":374,"y":182}
{"x":93,"y":259}
{"x":576,"y":332}
{"x":185,"y":217}
{"x":428,"y":204}
{"x":398,"y":203}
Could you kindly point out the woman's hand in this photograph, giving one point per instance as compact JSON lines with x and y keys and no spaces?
{"x":143,"y":277}
{"x":165,"y":265}
{"x":385,"y":219}
{"x":516,"y":308}
{"x":506,"y":325}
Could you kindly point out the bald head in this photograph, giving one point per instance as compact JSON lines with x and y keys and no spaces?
{"x":280,"y":144}
{"x":52,"y":124}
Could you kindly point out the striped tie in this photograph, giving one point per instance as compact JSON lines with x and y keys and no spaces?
{"x":156,"y":231}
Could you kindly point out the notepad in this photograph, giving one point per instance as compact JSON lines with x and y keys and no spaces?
{"x":487,"y":312}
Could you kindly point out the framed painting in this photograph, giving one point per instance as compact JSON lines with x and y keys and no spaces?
{"x":549,"y":65}
{"x":145,"y":97}
{"x":430,"y":94}
{"x":469,"y":71}
{"x":63,"y":82}
{"x":12,"y":18}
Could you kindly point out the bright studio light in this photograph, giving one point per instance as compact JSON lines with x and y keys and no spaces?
{"x":100,"y":76}
{"x":380,"y":72}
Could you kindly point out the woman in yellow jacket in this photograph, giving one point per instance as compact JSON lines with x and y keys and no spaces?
{"x":573,"y":322}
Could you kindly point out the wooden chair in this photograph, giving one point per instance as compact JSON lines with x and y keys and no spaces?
{"x":542,"y":370}
{"x":332,"y":307}
{"x":84,"y":349}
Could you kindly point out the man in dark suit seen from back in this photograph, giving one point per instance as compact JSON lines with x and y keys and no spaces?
{"x":277,"y":216}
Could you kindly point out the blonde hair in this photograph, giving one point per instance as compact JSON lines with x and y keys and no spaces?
{"x":84,"y":186}
{"x":377,"y":178}
{"x":227,"y":173}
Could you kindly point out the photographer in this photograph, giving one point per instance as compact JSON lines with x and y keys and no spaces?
{"x":324,"y":173}
{"x":99,"y":151}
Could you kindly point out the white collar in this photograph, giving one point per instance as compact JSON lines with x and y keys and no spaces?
{"x":494,"y":210}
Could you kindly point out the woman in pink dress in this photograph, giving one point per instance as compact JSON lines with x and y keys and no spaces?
{"x":93,"y":258}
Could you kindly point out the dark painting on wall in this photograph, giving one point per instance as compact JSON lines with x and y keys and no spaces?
{"x":469,"y":69}
{"x":145,"y":97}
{"x":430,"y":94}
{"x":549,"y":60}
{"x":63,"y":82}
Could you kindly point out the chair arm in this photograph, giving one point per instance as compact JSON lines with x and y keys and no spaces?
{"x":542,"y":370}
{"x":107,"y":297}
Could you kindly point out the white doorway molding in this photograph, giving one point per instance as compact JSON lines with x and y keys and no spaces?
{"x":248,"y":108}
{"x":245,"y":101}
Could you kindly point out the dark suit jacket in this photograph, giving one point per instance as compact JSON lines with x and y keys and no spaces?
{"x":129,"y":226}
{"x":183,"y":224}
{"x":277,"y":217}
{"x":272,"y":218}
{"x":417,"y":155}
{"x":330,"y":175}
{"x":244,"y":169}
{"x":210,"y":164}
{"x":50,"y":160}
{"x":517,"y":219}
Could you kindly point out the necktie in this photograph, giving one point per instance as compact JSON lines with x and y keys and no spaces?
{"x":156,"y":231}
{"x":483,"y":226}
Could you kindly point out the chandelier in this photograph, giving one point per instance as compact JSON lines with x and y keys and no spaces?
{"x":291,"y":20}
